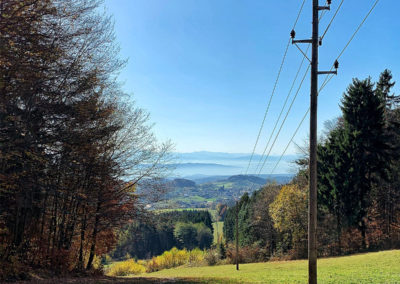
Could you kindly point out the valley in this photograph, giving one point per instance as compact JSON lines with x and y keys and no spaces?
{"x":207,"y":192}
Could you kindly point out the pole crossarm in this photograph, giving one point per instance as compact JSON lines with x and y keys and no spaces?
{"x":324,"y":8}
{"x":327,"y":72}
{"x":294,"y":41}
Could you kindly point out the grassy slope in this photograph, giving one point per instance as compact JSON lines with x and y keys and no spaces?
{"x":379,"y":267}
{"x":218,"y":226}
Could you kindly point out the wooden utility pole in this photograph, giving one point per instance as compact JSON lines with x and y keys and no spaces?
{"x":237,"y":235}
{"x":312,"y":206}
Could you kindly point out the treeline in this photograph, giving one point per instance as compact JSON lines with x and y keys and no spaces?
{"x":69,"y":142}
{"x":358,"y":189}
{"x":155,"y":233}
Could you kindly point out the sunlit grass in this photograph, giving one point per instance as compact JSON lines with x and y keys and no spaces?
{"x":218,"y":228}
{"x":379,"y":267}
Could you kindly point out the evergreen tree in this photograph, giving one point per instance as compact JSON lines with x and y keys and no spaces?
{"x":365,"y":147}
{"x":334,"y":166}
{"x":383,"y":88}
{"x":229,"y":224}
{"x":388,"y":197}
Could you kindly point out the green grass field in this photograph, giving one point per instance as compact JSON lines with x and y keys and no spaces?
{"x":213,"y":212}
{"x":218,"y":226}
{"x":378,"y":267}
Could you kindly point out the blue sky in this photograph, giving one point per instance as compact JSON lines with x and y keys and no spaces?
{"x":205,"y":69}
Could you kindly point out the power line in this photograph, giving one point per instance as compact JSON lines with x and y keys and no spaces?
{"x":326,"y":81}
{"x":274,"y":88}
{"x":291,"y":140}
{"x":358,"y":28}
{"x":298,"y":127}
{"x":280,"y":128}
{"x":284,"y":120}
{"x":298,"y":14}
{"x":330,"y":23}
{"x":269,"y":104}
{"x":282,"y":109}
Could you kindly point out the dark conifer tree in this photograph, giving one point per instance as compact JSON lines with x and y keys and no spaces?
{"x":388,"y":195}
{"x":334,"y":166}
{"x":366,"y":144}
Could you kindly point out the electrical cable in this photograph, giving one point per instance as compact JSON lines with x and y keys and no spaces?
{"x":284,"y":120}
{"x":282,"y":109}
{"x":350,"y":40}
{"x":268,"y":106}
{"x":273,"y":90}
{"x":330,"y":23}
{"x":326,"y":81}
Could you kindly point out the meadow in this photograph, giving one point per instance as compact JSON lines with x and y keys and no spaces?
{"x":218,"y":231}
{"x":376,"y":267}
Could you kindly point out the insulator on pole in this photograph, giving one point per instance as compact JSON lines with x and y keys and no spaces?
{"x":336,"y":64}
{"x":292,"y":34}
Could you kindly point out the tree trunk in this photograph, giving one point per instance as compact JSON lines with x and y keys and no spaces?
{"x":339,"y":233}
{"x":94,"y":235}
{"x":83,"y":228}
{"x":363,"y":229}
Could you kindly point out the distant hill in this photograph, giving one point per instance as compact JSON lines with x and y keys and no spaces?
{"x":278,"y":178}
{"x":180,"y":182}
{"x":199,"y":179}
{"x":244,"y":178}
{"x":199,"y":165}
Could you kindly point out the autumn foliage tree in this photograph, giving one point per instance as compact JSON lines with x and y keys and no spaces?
{"x":289,"y":214}
{"x":72,"y":150}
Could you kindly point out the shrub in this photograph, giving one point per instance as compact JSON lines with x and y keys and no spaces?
{"x":125,"y":268}
{"x":174,"y":258}
{"x":222,"y":250}
{"x":212,"y":257}
{"x":247,"y":254}
{"x":196,"y":257}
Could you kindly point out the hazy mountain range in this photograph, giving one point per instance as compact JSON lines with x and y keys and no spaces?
{"x":204,"y":164}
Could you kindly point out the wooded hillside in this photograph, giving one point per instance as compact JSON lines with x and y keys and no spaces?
{"x":358,"y":190}
{"x":72,"y":149}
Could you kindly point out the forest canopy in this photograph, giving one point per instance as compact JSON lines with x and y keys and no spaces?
{"x":154,"y":233}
